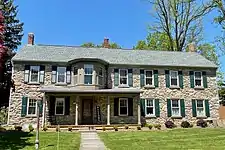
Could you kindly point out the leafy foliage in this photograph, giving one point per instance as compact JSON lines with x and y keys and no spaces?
{"x":18,"y":128}
{"x":169,"y":124}
{"x":150,"y":126}
{"x":70,"y":129}
{"x":157,"y":126}
{"x":3,"y":115}
{"x":92,"y":45}
{"x":138,"y":127}
{"x":31,"y":128}
{"x":115,"y":128}
{"x":45,"y":128}
{"x":202,"y":123}
{"x":185,"y":124}
{"x":126,"y":127}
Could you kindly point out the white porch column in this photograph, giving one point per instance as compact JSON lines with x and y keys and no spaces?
{"x":43,"y":110}
{"x":76,"y":110}
{"x":139,"y":110}
{"x":108,"y":110}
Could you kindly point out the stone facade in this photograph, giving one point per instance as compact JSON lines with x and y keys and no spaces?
{"x":162,"y":93}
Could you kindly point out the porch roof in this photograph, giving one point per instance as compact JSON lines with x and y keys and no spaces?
{"x":51,"y":89}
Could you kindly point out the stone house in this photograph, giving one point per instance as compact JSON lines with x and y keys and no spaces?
{"x":89,"y":86}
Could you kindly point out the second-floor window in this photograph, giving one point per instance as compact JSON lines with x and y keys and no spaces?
{"x":34,"y":74}
{"x":123,"y":76}
{"x":88,"y":71}
{"x":198,"y":78}
{"x":174,"y":78}
{"x":148,"y":77}
{"x":61,"y":74}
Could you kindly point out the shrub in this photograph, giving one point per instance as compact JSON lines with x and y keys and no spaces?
{"x":57,"y":129}
{"x":150,"y":126}
{"x":70,"y":129}
{"x":138,"y":127}
{"x":31,"y":128}
{"x":126,"y":127}
{"x":45,"y":128}
{"x":169,"y":124}
{"x":185,"y":124}
{"x":191,"y":125}
{"x":3,"y":115}
{"x":2,"y":129}
{"x":157,"y":126}
{"x":115,"y":128}
{"x":103,"y":128}
{"x":202,"y":123}
{"x":18,"y":128}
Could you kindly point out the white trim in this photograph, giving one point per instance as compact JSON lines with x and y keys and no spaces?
{"x":89,"y":66}
{"x":57,"y":73}
{"x":175,"y":107}
{"x":149,"y":77}
{"x":38,"y":74}
{"x":201,"y":79}
{"x":126,"y":106}
{"x":126,"y":76}
{"x":149,"y":115}
{"x":63,"y":100}
{"x":28,"y":100}
{"x":203,"y":101}
{"x":178,"y":84}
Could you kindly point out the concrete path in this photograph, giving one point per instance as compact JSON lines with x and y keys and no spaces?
{"x":91,"y":141}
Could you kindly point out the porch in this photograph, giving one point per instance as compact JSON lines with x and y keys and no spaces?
{"x":76,"y":107}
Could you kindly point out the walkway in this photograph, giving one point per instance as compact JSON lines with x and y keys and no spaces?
{"x":91,"y":141}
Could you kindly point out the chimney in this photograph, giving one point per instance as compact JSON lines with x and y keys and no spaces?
{"x":30,"y":38}
{"x":106,"y":43}
{"x":191,"y":47}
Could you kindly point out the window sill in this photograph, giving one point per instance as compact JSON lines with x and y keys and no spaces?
{"x":61,"y":84}
{"x":123,"y":115}
{"x":123,"y":86}
{"x":199,"y":88}
{"x":149,"y":86}
{"x":176,"y":117}
{"x":174,"y":87}
{"x":30,"y":83}
{"x":31,"y":116}
{"x":149,"y":117}
{"x":201,"y":117}
{"x":59,"y":114}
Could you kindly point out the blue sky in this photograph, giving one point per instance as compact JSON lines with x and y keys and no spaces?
{"x":73,"y":22}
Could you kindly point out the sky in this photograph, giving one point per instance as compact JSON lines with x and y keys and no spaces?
{"x":73,"y":22}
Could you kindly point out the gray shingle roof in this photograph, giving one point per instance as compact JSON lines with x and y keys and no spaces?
{"x":50,"y":53}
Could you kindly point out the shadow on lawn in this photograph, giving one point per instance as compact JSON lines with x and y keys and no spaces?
{"x":14,"y":140}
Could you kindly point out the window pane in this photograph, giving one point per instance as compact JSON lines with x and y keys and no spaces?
{"x":148,"y":81}
{"x":88,"y":69}
{"x":200,"y":103}
{"x":34,"y":73}
{"x":175,"y":103}
{"x":123,"y":110}
{"x":173,"y":74}
{"x":198,"y":82}
{"x":149,"y":110}
{"x":173,"y":81}
{"x":31,"y":111}
{"x":32,"y":107}
{"x":123,"y":103}
{"x":100,"y":72}
{"x":198,"y":75}
{"x":123,"y":73}
{"x":87,"y":79}
{"x":175,"y":112}
{"x":59,"y":106}
{"x":149,"y":103}
{"x":61,"y":74}
{"x":200,"y":112}
{"x":75,"y":71}
{"x":123,"y":80}
{"x":148,"y":73}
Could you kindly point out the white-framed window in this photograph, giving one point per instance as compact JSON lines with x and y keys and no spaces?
{"x":123,"y":106}
{"x":200,"y":108}
{"x":175,"y":108}
{"x":34,"y":74}
{"x":88,"y":71}
{"x":60,"y":106}
{"x":61,"y":75}
{"x":150,"y":107}
{"x":149,"y":77}
{"x":100,"y":76}
{"x":174,"y":78}
{"x":198,"y":78}
{"x":123,"y":76}
{"x":31,"y":107}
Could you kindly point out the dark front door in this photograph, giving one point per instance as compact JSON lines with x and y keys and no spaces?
{"x":87,"y":111}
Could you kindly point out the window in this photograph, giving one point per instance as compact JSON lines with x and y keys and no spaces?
{"x":61,"y":74}
{"x":123,"y":76}
{"x":75,"y":71}
{"x":123,"y":106}
{"x":148,"y":77}
{"x":175,"y":107}
{"x":59,"y":106}
{"x":174,"y":78}
{"x":198,"y":78}
{"x":88,"y":70}
{"x":150,"y":107}
{"x":31,"y":107}
{"x":200,"y":108}
{"x":34,"y":74}
{"x":100,"y":75}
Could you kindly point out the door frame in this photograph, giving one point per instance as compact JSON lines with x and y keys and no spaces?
{"x":90,"y":100}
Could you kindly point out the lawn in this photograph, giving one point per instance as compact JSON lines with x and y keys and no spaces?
{"x":48,"y":141}
{"x":176,"y":139}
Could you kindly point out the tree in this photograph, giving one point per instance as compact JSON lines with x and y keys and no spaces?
{"x":179,"y":19}
{"x":92,"y":45}
{"x":3,"y":49}
{"x":88,"y":45}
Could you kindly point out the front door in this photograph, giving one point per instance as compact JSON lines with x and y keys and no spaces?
{"x":87,"y":111}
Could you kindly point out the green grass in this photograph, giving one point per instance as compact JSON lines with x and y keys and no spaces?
{"x":176,"y":139}
{"x":48,"y":141}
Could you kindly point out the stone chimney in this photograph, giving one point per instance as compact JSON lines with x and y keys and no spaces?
{"x":30,"y":38}
{"x":106,"y":43}
{"x":191,"y":47}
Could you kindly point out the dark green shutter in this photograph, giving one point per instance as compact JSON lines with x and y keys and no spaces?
{"x":116,"y":106}
{"x":52,"y":106}
{"x":194,"y":113}
{"x":204,"y":79}
{"x":130,"y":77}
{"x":156,"y":82}
{"x":167,"y":76}
{"x":157,"y":108}
{"x":192,"y":82}
{"x":130,"y":107}
{"x":180,"y":74}
{"x":142,"y":105}
{"x":42,"y":74}
{"x":116,"y":77}
{"x":168,"y":107}
{"x":142,"y":78}
{"x":24,"y":106}
{"x":67,"y":105}
{"x":207,"y":111}
{"x":182,"y":105}
{"x":40,"y":103}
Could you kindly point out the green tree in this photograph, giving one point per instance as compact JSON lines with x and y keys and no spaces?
{"x":88,"y":45}
{"x":92,"y":45}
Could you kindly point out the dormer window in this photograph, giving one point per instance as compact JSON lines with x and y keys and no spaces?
{"x":198,"y":78}
{"x":88,"y":71}
{"x":61,"y":74}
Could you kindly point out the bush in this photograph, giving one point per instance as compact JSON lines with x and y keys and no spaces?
{"x":2,"y":129}
{"x":126,"y":127}
{"x":103,"y":128}
{"x":191,"y":125}
{"x":3,"y":115}
{"x":157,"y":126}
{"x":115,"y":128}
{"x":70,"y":129}
{"x":185,"y":124}
{"x":45,"y":128}
{"x":150,"y":126}
{"x":138,"y":127}
{"x":31,"y":128}
{"x":18,"y":128}
{"x":57,"y":129}
{"x":202,"y":123}
{"x":169,"y":124}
